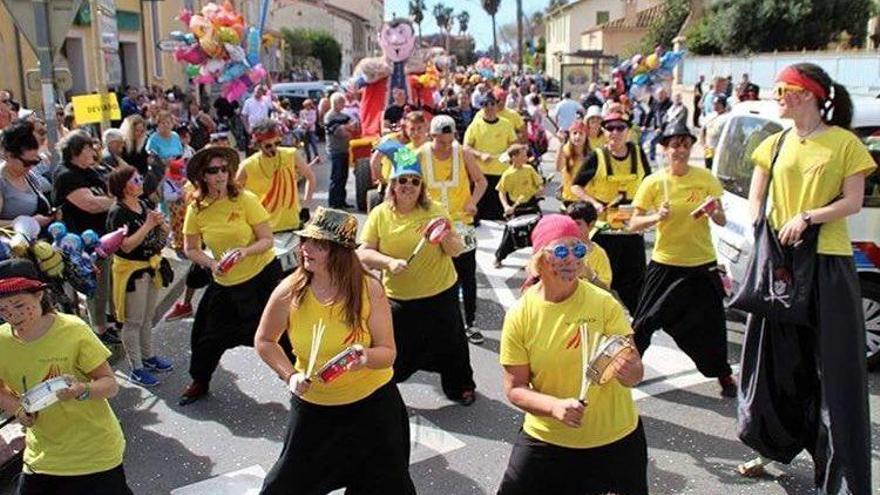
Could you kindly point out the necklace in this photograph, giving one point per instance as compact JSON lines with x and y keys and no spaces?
{"x":803,"y":137}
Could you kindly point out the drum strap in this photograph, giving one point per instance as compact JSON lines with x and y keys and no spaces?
{"x":631,"y":150}
{"x":443,"y":185}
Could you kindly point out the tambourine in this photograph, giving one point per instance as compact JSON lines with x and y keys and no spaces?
{"x":339,"y":364}
{"x":44,"y":394}
{"x":434,"y":233}
{"x":599,"y":370}
{"x":707,"y":208}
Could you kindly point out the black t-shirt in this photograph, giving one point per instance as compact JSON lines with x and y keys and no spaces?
{"x":120,"y":215}
{"x":393,"y":114}
{"x":591,"y":163}
{"x":69,"y":179}
{"x":224,"y":108}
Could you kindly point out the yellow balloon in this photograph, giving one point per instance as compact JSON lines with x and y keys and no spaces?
{"x":652,"y":61}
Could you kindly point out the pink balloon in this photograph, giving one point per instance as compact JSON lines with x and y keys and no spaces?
{"x":111,"y":242}
{"x":185,"y":16}
{"x":234,"y":90}
{"x":205,"y":79}
{"x":191,"y":54}
{"x":257,"y":73}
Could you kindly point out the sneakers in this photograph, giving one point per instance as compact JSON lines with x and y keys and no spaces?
{"x":159,"y":364}
{"x":178,"y":311}
{"x":467,"y":398}
{"x":110,"y":337}
{"x":474,"y":336}
{"x":194,"y":392}
{"x":728,"y":386}
{"x":497,"y":264}
{"x":143,"y":378}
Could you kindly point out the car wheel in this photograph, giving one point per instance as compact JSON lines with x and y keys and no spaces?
{"x":363,"y":182}
{"x":871,"y":308}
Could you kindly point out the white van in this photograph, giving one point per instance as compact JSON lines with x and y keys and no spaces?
{"x":748,"y":125}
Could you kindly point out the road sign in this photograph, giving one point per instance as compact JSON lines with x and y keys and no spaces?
{"x":89,"y":109}
{"x":63,"y":79}
{"x":170,"y":45}
{"x":61,"y":14}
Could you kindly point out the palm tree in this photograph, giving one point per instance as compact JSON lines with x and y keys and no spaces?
{"x":491,"y":8}
{"x":417,"y":13}
{"x":443,"y":16}
{"x":463,"y":18}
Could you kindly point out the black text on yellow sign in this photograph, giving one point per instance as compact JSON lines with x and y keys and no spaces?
{"x":89,"y":109}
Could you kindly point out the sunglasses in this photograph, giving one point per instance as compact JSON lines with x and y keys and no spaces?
{"x":679,"y":143}
{"x":561,"y":251}
{"x":415,"y":181}
{"x":781,"y":89}
{"x":272,"y":144}
{"x":214,"y":170}
{"x":136,"y":180}
{"x":616,"y":128}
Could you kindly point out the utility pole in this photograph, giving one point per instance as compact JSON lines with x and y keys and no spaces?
{"x":47,"y":71}
{"x":100,"y":65}
{"x":519,"y":35}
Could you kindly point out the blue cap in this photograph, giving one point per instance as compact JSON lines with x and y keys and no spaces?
{"x":405,"y":160}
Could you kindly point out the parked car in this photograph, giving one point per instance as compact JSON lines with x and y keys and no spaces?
{"x":297,"y":92}
{"x":750,"y":123}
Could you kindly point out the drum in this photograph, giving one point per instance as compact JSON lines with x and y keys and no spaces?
{"x":286,"y":244}
{"x":521,"y":228}
{"x":599,"y":371}
{"x":468,"y":235}
{"x":43,"y":395}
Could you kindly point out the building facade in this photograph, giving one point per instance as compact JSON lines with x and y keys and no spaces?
{"x":564,"y":25}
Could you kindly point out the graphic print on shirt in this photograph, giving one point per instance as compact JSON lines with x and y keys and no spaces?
{"x":574,"y":342}
{"x":282,"y":191}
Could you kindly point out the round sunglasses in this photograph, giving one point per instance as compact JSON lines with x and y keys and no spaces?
{"x":561,"y":251}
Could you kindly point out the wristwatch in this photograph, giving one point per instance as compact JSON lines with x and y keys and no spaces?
{"x":86,"y":393}
{"x":807,"y":218}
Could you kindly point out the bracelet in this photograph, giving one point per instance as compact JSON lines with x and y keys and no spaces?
{"x":87,"y":392}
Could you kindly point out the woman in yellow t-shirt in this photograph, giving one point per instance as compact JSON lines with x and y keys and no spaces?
{"x":818,"y":178}
{"x":235,"y":227}
{"x":413,"y":134}
{"x":420,"y":280}
{"x":683,"y":293}
{"x":574,"y":441}
{"x":609,"y":178}
{"x":570,"y":158}
{"x":331,"y":305}
{"x":76,"y":444}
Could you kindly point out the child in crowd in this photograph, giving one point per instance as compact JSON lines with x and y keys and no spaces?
{"x":519,"y":190}
{"x":597,"y":266}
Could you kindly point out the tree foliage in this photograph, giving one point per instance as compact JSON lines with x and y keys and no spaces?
{"x":741,"y":26}
{"x":666,"y":27}
{"x":417,"y":13}
{"x":491,"y":8}
{"x":320,"y":44}
{"x":443,"y":16}
{"x":463,"y":17}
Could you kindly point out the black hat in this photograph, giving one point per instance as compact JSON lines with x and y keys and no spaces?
{"x":203,"y":157}
{"x":677,"y":129}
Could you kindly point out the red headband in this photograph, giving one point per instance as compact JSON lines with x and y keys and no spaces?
{"x":13,"y":285}
{"x":264,"y":136}
{"x":793,"y":76}
{"x":578,"y":125}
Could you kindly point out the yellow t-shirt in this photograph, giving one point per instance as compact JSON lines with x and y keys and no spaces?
{"x":597,"y":259}
{"x":810,"y":175}
{"x":492,"y":138}
{"x":351,"y":386}
{"x":597,"y":142}
{"x":520,"y":183}
{"x":430,"y":272}
{"x":273,"y":180}
{"x":505,"y":113}
{"x":451,"y":188}
{"x":70,"y":438}
{"x":228,"y":224}
{"x":606,"y":188}
{"x":545,"y":337}
{"x":681,"y":239}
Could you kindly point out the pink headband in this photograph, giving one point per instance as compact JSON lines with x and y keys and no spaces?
{"x":552,"y":228}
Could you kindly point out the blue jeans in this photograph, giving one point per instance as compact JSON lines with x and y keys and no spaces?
{"x":338,"y":178}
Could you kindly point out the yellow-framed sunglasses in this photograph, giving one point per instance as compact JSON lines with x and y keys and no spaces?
{"x":781,"y":89}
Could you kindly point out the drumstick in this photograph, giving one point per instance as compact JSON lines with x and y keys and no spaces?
{"x":317,"y":336}
{"x":585,"y":363}
{"x":666,"y":186}
{"x":418,"y":248}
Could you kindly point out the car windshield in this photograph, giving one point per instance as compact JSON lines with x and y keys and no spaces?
{"x":745,"y":133}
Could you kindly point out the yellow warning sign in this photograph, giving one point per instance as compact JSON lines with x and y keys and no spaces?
{"x":88,"y":109}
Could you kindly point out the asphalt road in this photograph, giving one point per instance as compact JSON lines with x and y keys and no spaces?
{"x":225,"y":443}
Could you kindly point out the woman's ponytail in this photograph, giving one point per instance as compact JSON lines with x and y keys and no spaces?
{"x":837,"y":109}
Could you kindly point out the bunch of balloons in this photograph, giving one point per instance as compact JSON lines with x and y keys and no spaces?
{"x":221,"y":49}
{"x":641,"y":75}
{"x":485,"y":67}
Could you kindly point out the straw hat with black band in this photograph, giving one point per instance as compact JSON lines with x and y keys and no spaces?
{"x":204,"y":156}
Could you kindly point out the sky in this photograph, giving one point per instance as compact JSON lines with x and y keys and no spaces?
{"x":480,"y":25}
